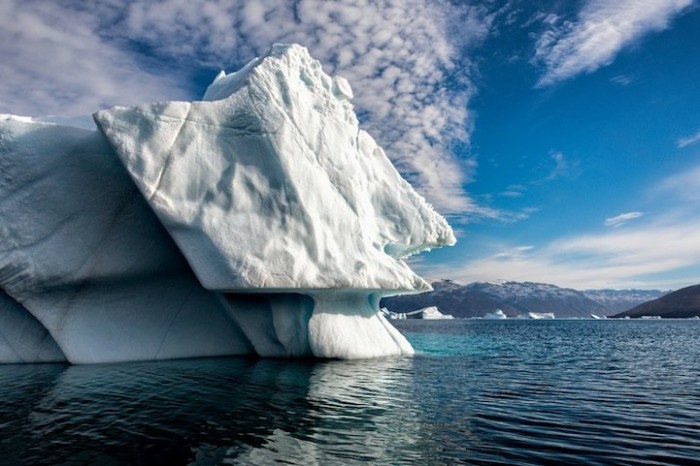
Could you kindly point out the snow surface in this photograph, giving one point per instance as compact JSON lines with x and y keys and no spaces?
{"x":292,"y":221}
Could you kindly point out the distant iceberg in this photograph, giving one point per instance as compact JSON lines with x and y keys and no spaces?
{"x":391,"y":315}
{"x":497,"y":314}
{"x":538,"y":315}
{"x":433,"y":313}
{"x":261,"y":220}
{"x":428,"y":313}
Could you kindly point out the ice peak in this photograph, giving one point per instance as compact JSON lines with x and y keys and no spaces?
{"x":288,"y":63}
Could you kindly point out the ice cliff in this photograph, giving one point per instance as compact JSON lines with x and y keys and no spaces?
{"x":260,"y":220}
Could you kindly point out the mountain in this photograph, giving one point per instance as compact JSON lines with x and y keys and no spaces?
{"x":515,"y":298}
{"x":622,"y":300}
{"x":684,"y":303}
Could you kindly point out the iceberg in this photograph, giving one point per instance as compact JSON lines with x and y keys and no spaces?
{"x":391,"y":315}
{"x":426,"y":313}
{"x":432,"y":313}
{"x":498,"y":314}
{"x":538,"y":315}
{"x":260,"y":220}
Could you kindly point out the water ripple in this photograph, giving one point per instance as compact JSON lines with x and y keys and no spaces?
{"x":591,"y":392}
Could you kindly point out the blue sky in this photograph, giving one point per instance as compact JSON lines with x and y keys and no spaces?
{"x":561,"y":138}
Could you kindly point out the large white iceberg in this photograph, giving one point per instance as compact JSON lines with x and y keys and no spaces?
{"x":292,"y":219}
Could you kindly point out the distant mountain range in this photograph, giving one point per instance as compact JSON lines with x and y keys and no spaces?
{"x":515,"y":298}
{"x":622,"y":300}
{"x":684,"y":303}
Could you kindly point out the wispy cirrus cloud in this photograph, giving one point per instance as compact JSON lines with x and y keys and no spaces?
{"x":562,"y":166}
{"x":514,"y":190}
{"x":69,"y":57}
{"x":619,"y":220}
{"x":688,"y":140}
{"x":601,"y":30}
{"x":481,"y":212}
{"x":516,"y":252}
{"x":684,"y":186}
{"x":622,"y":80}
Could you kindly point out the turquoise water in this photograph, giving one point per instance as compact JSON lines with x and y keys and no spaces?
{"x":478,"y":392}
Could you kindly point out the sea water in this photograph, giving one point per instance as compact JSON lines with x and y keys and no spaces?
{"x":478,"y":392}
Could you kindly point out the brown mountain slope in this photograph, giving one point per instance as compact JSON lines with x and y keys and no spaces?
{"x":684,"y":303}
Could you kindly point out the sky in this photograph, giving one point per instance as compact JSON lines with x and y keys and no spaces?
{"x":561,"y":139}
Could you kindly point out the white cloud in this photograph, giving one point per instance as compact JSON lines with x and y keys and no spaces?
{"x":684,"y":186}
{"x":622,"y":80}
{"x":514,"y":190}
{"x":617,"y":259}
{"x":660,"y":252}
{"x":69,"y":56}
{"x":602,"y":29}
{"x":619,"y":220}
{"x":688,"y":140}
{"x":561,"y":166}
{"x":480,"y":212}
{"x":55,"y":62}
{"x":517,"y":252}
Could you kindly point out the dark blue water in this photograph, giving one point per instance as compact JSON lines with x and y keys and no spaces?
{"x":480,"y":392}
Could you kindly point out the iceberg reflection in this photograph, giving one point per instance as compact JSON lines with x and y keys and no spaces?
{"x":213,"y":411}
